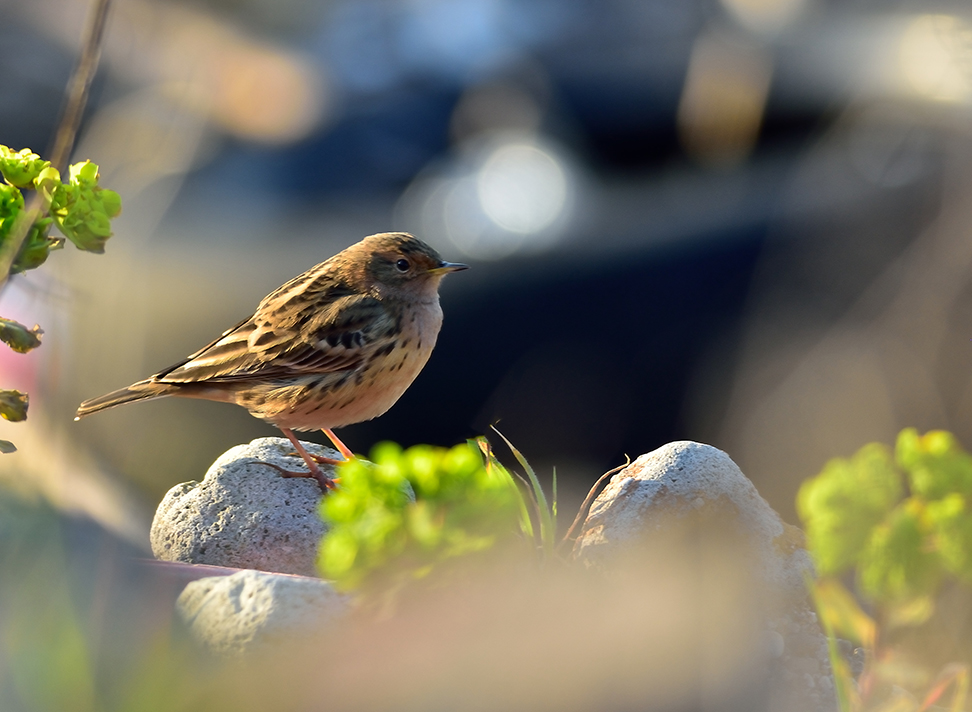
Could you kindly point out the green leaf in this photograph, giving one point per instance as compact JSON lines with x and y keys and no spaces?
{"x":547,"y":516}
{"x":840,"y":613}
{"x":909,"y":612}
{"x":18,"y":337}
{"x":899,"y":562}
{"x":951,"y":522}
{"x":379,"y":537}
{"x":37,"y":247}
{"x":496,"y":468}
{"x":7,"y":447}
{"x":11,"y":209}
{"x":840,"y":506}
{"x":13,"y":405}
{"x":935,"y":462}
{"x":81,"y":209}
{"x":85,"y":173}
{"x":20,"y":168}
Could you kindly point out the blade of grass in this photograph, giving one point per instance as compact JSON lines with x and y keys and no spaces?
{"x":589,"y":499}
{"x":548,"y":523}
{"x":848,"y":700}
{"x":526,"y":523}
{"x":954,"y":673}
{"x":553,"y":497}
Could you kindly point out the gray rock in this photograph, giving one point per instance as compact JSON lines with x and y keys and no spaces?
{"x":686,"y":480}
{"x":695,"y":487}
{"x":244,"y":514}
{"x":233,"y":615}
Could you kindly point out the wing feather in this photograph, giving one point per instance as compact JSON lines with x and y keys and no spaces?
{"x":291,"y":335}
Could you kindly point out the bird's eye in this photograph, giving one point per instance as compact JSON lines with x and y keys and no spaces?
{"x":403,"y":265}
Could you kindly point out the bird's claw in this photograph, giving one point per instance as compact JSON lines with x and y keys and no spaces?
{"x":327,"y":483}
{"x":319,"y":459}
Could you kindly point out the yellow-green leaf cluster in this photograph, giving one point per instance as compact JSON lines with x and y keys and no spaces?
{"x":21,"y":168}
{"x":81,"y":209}
{"x":903,"y":523}
{"x":841,"y":506}
{"x":379,"y":535}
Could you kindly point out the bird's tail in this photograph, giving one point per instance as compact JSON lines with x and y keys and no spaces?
{"x":143,"y":390}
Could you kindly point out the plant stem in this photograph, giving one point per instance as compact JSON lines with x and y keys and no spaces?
{"x":589,"y":499}
{"x":77,"y":97}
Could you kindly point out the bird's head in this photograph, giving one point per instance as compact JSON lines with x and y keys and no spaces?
{"x":399,"y":262}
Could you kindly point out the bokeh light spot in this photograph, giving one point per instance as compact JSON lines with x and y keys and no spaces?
{"x":522,"y":188}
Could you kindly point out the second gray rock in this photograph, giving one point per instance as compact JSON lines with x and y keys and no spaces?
{"x":234,"y":615}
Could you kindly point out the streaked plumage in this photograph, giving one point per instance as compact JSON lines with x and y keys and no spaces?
{"x":336,"y":345}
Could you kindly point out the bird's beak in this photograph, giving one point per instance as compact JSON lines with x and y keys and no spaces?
{"x":447,"y":267}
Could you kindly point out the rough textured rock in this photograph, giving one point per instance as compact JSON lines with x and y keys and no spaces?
{"x":244,"y":514}
{"x":698,"y":488}
{"x":688,"y":479}
{"x":232,"y":615}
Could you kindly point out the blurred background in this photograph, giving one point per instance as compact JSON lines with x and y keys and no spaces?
{"x":741,"y":222}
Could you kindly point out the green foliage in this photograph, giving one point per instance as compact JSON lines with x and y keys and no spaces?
{"x":381,"y":538}
{"x":935,"y":464}
{"x":902,"y":541}
{"x":13,"y":406}
{"x":841,"y":506}
{"x":21,"y":168}
{"x":18,"y":337}
{"x":898,"y":564}
{"x":80,"y":209}
{"x":546,"y":513}
{"x":904,"y":525}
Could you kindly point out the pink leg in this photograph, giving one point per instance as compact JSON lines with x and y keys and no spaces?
{"x":341,"y":447}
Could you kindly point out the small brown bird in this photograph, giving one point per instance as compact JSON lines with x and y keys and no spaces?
{"x":337,"y":345}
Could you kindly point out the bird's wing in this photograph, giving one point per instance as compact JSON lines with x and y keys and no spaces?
{"x":305,"y":327}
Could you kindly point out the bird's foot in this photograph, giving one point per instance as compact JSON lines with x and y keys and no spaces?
{"x":327,"y":483}
{"x":319,"y":459}
{"x":312,"y":461}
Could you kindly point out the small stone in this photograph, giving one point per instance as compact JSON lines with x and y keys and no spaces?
{"x":232,"y":615}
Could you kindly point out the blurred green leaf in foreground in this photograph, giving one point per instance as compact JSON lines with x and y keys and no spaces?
{"x":381,"y":538}
{"x":901,"y":523}
{"x":80,"y":208}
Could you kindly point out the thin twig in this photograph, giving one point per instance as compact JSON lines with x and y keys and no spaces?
{"x":80,"y":85}
{"x":67,"y":130}
{"x":589,"y":499}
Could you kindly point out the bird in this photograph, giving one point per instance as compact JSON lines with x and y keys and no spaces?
{"x":336,"y":345}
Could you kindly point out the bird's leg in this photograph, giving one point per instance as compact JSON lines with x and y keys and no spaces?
{"x":326,"y":483}
{"x":341,"y":447}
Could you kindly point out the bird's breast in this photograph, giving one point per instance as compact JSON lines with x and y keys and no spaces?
{"x":334,"y":400}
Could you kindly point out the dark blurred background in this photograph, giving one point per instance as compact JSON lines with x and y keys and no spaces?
{"x":742,"y":222}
